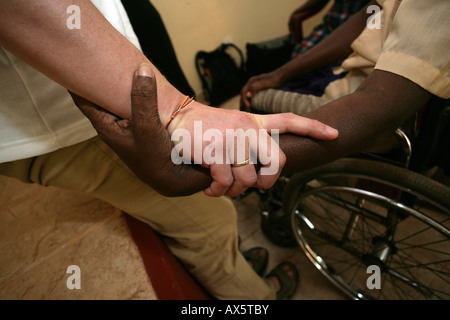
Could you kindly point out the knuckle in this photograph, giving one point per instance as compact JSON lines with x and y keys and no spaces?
{"x":143,"y":87}
{"x":313,"y":122}
{"x":243,"y":120}
{"x":235,"y":192}
{"x":253,"y":79}
{"x":249,"y":180}
{"x":142,"y":92}
{"x":225,"y":181}
{"x":289,"y":116}
{"x":265,"y":184}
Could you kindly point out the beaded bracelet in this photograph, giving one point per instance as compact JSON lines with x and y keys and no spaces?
{"x":183,"y":105}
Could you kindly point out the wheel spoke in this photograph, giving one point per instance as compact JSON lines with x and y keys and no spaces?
{"x":342,"y":228}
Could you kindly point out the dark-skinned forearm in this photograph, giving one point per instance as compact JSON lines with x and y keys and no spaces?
{"x":381,"y":104}
{"x":335,"y":47}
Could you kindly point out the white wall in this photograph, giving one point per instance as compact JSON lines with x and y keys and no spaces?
{"x":195,"y":25}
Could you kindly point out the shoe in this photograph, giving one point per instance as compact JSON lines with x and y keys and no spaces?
{"x":288,"y":284}
{"x":258,"y":261}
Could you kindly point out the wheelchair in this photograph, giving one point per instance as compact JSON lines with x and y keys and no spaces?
{"x":376,"y":225}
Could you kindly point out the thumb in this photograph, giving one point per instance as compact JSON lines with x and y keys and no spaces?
{"x":144,"y":102}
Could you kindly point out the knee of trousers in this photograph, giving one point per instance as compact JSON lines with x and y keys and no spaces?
{"x":206,"y":232}
{"x":225,"y":214}
{"x":216,"y":224}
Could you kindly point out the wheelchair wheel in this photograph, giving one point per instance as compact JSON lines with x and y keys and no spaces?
{"x":375,"y":230}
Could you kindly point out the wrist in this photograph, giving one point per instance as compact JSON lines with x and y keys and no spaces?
{"x":169,"y":99}
{"x":177,"y":119}
{"x":282,"y":76}
{"x":186,"y":102}
{"x":290,"y":70}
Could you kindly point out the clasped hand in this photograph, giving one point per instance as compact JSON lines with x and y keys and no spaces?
{"x":148,"y":150}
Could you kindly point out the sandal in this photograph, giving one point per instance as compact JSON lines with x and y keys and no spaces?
{"x":288,"y":285}
{"x":259,"y":262}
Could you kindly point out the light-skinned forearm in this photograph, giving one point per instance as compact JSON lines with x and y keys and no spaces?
{"x":95,"y":61}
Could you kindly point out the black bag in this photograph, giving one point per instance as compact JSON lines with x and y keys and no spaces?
{"x":221,"y":77}
{"x":269,"y":55}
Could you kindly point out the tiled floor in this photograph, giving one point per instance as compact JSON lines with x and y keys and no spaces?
{"x":43,"y":231}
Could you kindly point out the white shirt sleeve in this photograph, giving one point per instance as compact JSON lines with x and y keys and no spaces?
{"x":115,"y":13}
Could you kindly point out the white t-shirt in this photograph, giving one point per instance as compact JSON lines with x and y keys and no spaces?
{"x":29,"y":125}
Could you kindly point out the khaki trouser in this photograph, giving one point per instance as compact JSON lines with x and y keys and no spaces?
{"x":201,"y":231}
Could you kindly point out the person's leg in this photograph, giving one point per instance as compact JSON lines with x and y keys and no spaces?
{"x":201,"y":231}
{"x":276,"y":101}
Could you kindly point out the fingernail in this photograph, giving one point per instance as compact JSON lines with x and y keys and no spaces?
{"x":145,"y":70}
{"x":331,"y":130}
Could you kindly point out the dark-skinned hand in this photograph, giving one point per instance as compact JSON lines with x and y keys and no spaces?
{"x":143,"y":143}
